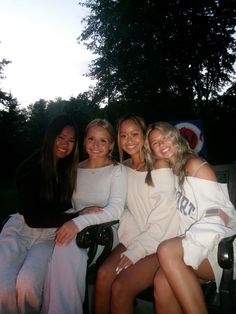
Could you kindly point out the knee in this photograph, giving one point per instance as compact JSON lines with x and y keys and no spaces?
{"x":164,"y":252}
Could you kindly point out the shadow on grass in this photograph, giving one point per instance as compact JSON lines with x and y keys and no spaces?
{"x":8,"y":198}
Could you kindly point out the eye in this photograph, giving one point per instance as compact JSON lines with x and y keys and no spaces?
{"x":153,"y":144}
{"x":104,"y":141}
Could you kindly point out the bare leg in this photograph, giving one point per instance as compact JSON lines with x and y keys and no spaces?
{"x":105,"y":276}
{"x":183,"y":280}
{"x":132,"y":281}
{"x":165,"y":300}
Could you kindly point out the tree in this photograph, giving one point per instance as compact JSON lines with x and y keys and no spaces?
{"x":4,"y":97}
{"x":151,"y":53}
{"x":13,"y":131}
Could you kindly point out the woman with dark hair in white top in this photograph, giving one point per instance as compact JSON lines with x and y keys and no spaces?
{"x":149,"y":217}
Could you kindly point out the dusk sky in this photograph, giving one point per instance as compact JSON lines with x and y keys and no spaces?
{"x":39,"y":38}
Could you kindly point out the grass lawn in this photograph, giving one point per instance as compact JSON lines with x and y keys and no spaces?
{"x":8,"y":198}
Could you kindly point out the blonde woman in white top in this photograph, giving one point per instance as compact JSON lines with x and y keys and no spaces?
{"x":206,"y":216}
{"x":149,"y":217}
{"x":99,"y":197}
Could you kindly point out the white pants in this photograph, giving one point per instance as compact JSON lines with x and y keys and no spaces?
{"x":65,"y":283}
{"x":66,"y":280}
{"x":24,"y":255}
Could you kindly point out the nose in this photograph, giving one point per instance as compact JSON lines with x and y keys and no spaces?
{"x":129,"y":138}
{"x":95,"y":143}
{"x":161,"y":142}
{"x":64,"y":142}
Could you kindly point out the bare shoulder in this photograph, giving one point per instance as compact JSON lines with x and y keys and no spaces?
{"x":197,"y":167}
{"x":161,"y":163}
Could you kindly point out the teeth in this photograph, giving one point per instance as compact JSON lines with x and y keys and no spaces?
{"x":165,"y":150}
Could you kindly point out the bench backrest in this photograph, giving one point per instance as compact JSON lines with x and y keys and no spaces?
{"x":227,"y":174}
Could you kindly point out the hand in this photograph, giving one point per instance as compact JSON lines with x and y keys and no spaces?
{"x":124,"y":263}
{"x":91,"y":210}
{"x":66,"y":233}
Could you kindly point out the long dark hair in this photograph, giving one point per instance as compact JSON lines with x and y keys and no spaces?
{"x":62,"y":171}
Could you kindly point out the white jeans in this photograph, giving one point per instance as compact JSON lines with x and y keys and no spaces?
{"x":24,"y":255}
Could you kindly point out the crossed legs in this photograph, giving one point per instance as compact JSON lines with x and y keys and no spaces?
{"x":177,"y":287}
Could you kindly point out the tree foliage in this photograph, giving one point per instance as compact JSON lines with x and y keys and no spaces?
{"x":150,"y":51}
{"x":12,"y":130}
{"x":4,"y":97}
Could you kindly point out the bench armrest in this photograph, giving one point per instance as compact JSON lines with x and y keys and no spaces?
{"x":226,"y":262}
{"x":95,"y":235}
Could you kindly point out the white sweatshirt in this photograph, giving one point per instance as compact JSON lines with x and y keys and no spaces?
{"x":104,"y":187}
{"x":150,"y":215}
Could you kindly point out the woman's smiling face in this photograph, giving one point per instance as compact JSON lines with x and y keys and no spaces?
{"x":161,"y":145}
{"x":64,"y":142}
{"x":131,"y":137}
{"x":98,"y":142}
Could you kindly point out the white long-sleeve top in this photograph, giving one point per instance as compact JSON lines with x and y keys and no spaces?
{"x":198,"y":204}
{"x":150,"y":215}
{"x":104,"y":187}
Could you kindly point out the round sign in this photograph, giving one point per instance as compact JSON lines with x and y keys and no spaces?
{"x":193,"y":134}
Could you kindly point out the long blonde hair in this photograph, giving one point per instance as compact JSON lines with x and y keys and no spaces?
{"x":181,"y":145}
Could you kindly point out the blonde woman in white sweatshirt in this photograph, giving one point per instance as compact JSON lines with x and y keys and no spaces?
{"x":149,"y":217}
{"x":206,"y":216}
